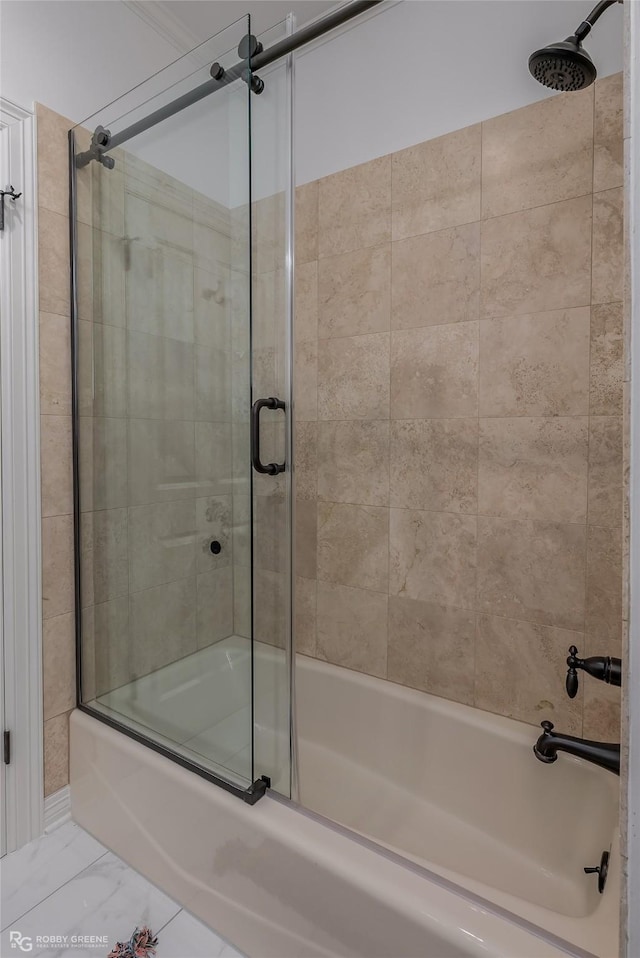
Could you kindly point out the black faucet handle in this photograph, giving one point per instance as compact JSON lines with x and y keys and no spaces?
{"x":571,"y":683}
{"x":547,"y":726}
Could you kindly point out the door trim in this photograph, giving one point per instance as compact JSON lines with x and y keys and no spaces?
{"x":21,"y":519}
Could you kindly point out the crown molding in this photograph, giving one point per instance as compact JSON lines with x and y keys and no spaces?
{"x":165,"y":24}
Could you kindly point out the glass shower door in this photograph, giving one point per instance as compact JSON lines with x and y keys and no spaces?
{"x":163,"y":362}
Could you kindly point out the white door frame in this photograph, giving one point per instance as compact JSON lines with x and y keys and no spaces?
{"x":21,"y":593}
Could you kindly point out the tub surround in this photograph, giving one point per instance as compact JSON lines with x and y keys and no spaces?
{"x":459,"y":370}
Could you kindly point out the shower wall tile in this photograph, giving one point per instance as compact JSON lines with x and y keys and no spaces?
{"x":602,"y":704}
{"x":434,"y":372}
{"x":354,"y":292}
{"x":305,"y":394}
{"x":59,"y":665}
{"x":161,"y":543}
{"x":162,"y":625}
{"x":103,"y":463}
{"x":105,"y":563}
{"x":353,"y":377}
{"x":110,"y":260}
{"x":306,"y":302}
{"x":535,"y":365}
{"x":352,"y":628}
{"x":539,"y":155}
{"x":306,"y":215}
{"x":608,"y":257}
{"x":603,"y":623}
{"x":432,"y":557}
{"x":305,"y":615}
{"x":212,"y":307}
{"x":431,"y":647}
{"x":161,"y":460}
{"x":213,"y":458}
{"x":436,"y":278}
{"x":306,"y":533}
{"x":534,"y":468}
{"x":55,"y":465}
{"x":434,"y":465}
{"x":160,"y":292}
{"x":608,"y":161}
{"x":306,"y":460}
{"x":53,"y":161}
{"x":537,"y":260}
{"x":270,"y":517}
{"x":107,"y":623}
{"x":53,"y":262}
{"x":109,"y":371}
{"x":56,"y":753}
{"x":607,"y":360}
{"x":57,"y":565}
{"x":214,"y":606}
{"x":161,"y":377}
{"x":605,"y":471}
{"x":212,"y":386}
{"x":351,"y":462}
{"x":55,"y":364}
{"x":354,"y":208}
{"x":532,"y":570}
{"x":353,"y":545}
{"x":270,"y":607}
{"x":520,"y":670}
{"x":436,"y":185}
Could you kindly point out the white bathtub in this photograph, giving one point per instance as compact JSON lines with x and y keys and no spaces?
{"x":493,"y":843}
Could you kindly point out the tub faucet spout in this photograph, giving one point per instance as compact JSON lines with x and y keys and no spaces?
{"x":598,"y":753}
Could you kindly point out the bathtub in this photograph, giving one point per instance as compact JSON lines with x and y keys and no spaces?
{"x":452,"y":840}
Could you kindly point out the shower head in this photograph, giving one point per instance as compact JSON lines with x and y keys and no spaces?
{"x":566,"y":65}
{"x":563,"y":66}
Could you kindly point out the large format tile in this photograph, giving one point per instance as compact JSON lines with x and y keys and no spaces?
{"x":538,"y":155}
{"x":352,"y":462}
{"x":53,"y":160}
{"x":103,"y":463}
{"x":109,"y":371}
{"x":532,"y":571}
{"x":161,"y":377}
{"x":55,"y":465}
{"x":354,"y":208}
{"x":185,"y":935}
{"x":607,"y":160}
{"x":104,"y":553}
{"x":59,"y":664}
{"x":305,"y":395}
{"x":434,"y":464}
{"x":536,"y":260}
{"x":602,"y":707}
{"x":608,"y":251}
{"x":214,"y":475}
{"x":607,"y":360}
{"x":354,"y":292}
{"x":306,"y":533}
{"x":432,"y":557}
{"x":535,"y":365}
{"x":161,"y":543}
{"x":605,"y":471}
{"x":162,"y":623}
{"x":57,"y":565}
{"x":214,"y":523}
{"x":353,"y":545}
{"x":215,"y":606}
{"x":534,"y":468}
{"x":305,"y":609}
{"x":305,"y":324}
{"x":353,"y":377}
{"x":604,"y":589}
{"x":436,"y":184}
{"x":212,"y":307}
{"x":108,"y":625}
{"x":306,"y":460}
{"x":106,"y":899}
{"x":53,"y":262}
{"x":161,"y":461}
{"x":55,"y":364}
{"x":431,"y":647}
{"x":352,"y":628}
{"x":34,"y":872}
{"x":56,"y":753}
{"x":306,"y":223}
{"x":520,"y":672}
{"x":159,"y":292}
{"x":436,"y":278}
{"x":434,"y":372}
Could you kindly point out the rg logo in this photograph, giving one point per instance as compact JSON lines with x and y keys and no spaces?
{"x":20,"y":941}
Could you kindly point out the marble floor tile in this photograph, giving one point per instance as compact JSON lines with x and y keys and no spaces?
{"x":106,"y":899}
{"x":185,"y":935}
{"x":40,"y":868}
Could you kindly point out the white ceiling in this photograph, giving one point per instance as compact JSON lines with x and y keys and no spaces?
{"x":204,"y":20}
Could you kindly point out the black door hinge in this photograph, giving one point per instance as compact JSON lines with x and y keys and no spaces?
{"x":7,"y":748}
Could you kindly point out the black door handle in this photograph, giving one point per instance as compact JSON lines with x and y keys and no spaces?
{"x":271,"y":468}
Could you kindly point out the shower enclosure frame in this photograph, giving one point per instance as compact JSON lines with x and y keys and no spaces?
{"x":101,"y":143}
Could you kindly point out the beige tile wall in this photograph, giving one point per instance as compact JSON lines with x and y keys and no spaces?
{"x":459,"y":399}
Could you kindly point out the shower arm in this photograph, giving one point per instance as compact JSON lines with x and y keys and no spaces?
{"x":585,"y":27}
{"x":258,"y":58}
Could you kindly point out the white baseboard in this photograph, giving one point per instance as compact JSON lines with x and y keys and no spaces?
{"x":57,"y":809}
